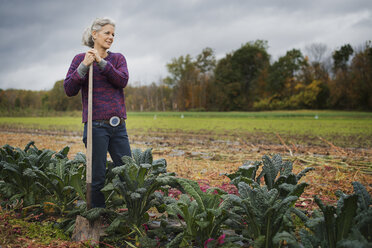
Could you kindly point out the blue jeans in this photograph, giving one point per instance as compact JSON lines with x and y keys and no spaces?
{"x":105,"y":138}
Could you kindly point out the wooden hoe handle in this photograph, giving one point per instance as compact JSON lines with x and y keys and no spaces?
{"x":89,"y":139}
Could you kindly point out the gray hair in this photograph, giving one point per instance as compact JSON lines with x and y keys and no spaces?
{"x":97,"y":24}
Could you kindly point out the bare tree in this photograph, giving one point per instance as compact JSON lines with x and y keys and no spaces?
{"x":317,"y":52}
{"x":320,"y":56}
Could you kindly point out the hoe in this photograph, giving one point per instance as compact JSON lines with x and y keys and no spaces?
{"x":85,"y":229}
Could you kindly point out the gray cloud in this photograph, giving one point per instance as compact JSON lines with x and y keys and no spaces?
{"x":39,"y":38}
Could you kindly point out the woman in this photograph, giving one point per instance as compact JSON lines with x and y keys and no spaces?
{"x":108,"y":118}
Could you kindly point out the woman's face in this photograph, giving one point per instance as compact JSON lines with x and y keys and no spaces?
{"x":104,"y":37}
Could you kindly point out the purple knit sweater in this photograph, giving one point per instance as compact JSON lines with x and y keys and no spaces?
{"x":108,"y":85}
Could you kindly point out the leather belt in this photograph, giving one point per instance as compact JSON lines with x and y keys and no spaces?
{"x":114,"y":121}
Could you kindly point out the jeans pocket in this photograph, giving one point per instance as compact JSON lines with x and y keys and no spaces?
{"x":95,"y":125}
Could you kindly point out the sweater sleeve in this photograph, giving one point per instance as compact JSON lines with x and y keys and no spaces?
{"x":73,"y":80}
{"x":117,"y":75}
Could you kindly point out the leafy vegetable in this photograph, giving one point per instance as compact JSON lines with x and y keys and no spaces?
{"x":202,"y":214}
{"x":346,"y":225}
{"x":137,"y":181}
{"x":38,"y":176}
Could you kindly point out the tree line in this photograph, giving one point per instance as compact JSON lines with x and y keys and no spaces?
{"x":244,"y":80}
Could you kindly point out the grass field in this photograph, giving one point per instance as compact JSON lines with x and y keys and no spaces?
{"x":346,"y":129}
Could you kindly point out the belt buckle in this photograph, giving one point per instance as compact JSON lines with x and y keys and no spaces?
{"x":114,"y":121}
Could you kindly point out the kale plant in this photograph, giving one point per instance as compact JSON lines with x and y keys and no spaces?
{"x":263,"y":213}
{"x":276,"y":175}
{"x":138,"y":181}
{"x":201,"y":214}
{"x":346,"y":225}
{"x":36,"y":176}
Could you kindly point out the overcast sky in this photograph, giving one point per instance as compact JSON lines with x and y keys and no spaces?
{"x":39,"y":38}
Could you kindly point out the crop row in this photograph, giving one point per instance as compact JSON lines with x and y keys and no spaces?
{"x":144,"y":211}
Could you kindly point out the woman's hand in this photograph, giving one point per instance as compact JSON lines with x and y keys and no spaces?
{"x":89,"y":58}
{"x":96,"y":55}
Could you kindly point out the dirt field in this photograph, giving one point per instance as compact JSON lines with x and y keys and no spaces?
{"x":206,"y":159}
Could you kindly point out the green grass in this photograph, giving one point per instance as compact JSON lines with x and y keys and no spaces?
{"x":217,"y":124}
{"x":42,"y":123}
{"x":343,"y":128}
{"x":261,"y":114}
{"x":348,"y":129}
